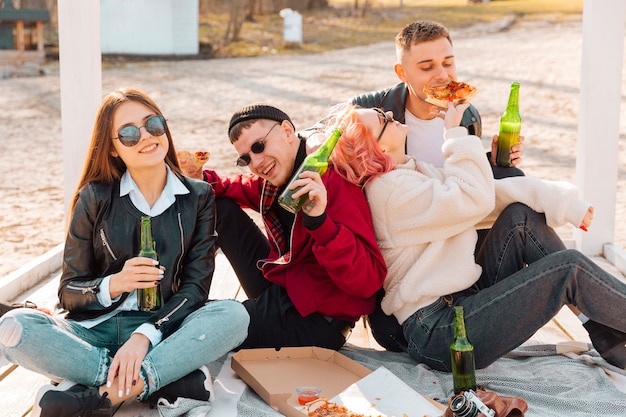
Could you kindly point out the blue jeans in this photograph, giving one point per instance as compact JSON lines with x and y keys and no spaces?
{"x":63,"y":349}
{"x":528,"y":276}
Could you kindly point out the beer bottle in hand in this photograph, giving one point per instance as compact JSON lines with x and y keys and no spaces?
{"x":148,"y":299}
{"x":317,"y":162}
{"x":462,"y":355}
{"x":510,"y":127}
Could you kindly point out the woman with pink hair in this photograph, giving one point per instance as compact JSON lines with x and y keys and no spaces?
{"x":425,"y":221}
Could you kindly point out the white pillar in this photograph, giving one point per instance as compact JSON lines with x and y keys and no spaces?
{"x":598,"y":128}
{"x":80,"y":70}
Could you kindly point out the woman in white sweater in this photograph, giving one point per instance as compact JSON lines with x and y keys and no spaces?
{"x":425,"y":220}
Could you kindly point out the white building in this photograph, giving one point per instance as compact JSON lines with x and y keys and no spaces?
{"x":149,"y":27}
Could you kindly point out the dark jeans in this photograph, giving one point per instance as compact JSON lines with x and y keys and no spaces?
{"x":527,"y":278}
{"x":385,"y":329}
{"x":274,"y":320}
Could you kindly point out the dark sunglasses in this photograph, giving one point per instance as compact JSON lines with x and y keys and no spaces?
{"x":386,"y":120}
{"x":130,"y":135}
{"x":257,"y":147}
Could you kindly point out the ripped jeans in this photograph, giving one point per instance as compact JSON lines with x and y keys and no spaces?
{"x":60,"y":348}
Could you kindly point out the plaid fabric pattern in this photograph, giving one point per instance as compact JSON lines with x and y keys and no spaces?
{"x":269,"y":195}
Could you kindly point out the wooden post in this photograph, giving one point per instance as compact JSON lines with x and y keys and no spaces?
{"x":40,"y":46}
{"x":599,"y":118}
{"x":80,"y":70}
{"x":19,"y":35}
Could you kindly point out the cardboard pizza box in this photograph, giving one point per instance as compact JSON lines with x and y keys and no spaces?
{"x":275,"y":374}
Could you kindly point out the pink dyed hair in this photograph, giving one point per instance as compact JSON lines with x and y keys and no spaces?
{"x":357,"y":156}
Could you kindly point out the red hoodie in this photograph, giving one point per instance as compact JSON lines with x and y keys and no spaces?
{"x":335,"y":269}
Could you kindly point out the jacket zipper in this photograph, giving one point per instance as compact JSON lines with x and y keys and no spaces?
{"x":84,"y":290}
{"x":167,"y":317}
{"x":175,"y":275}
{"x":105,"y":242}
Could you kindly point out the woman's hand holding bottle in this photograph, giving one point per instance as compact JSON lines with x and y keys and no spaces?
{"x":138,"y":272}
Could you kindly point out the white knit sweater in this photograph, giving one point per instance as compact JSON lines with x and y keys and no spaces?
{"x":425,"y":219}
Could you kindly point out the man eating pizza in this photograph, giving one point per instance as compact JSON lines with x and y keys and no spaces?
{"x":425,"y":59}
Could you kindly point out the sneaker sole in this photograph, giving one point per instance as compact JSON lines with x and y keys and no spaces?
{"x":63,"y":386}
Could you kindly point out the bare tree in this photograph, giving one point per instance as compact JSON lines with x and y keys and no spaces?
{"x":252,"y":4}
{"x":367,"y":5}
{"x":235,"y":21}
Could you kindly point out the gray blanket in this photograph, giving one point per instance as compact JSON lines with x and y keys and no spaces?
{"x":553,"y":385}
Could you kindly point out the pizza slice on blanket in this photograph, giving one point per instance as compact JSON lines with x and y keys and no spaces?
{"x":324,"y":408}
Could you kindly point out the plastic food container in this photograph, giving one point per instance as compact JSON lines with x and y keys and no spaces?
{"x":307,"y":394}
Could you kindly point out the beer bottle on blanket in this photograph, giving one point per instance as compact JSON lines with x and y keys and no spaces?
{"x":462,"y":355}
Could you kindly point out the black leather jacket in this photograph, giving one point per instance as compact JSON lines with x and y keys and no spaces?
{"x":104,"y":233}
{"x":394,"y":99}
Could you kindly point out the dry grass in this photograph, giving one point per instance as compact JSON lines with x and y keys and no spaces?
{"x":341,"y":26}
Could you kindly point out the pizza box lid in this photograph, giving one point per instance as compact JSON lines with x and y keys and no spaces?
{"x":382,"y":393}
{"x":275,"y":374}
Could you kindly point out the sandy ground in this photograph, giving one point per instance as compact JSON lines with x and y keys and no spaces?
{"x":198,"y":98}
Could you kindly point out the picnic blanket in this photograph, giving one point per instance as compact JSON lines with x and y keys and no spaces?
{"x":553,"y":384}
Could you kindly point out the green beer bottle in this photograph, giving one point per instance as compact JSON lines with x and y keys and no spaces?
{"x":317,"y":162}
{"x":148,"y":299}
{"x":462,"y":355}
{"x":510,"y":127}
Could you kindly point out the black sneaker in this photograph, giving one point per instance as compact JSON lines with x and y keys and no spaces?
{"x":194,"y":386}
{"x":610,"y":343}
{"x":71,"y":400}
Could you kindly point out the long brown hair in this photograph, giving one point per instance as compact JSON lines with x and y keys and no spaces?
{"x":357,"y":157}
{"x":100,"y":164}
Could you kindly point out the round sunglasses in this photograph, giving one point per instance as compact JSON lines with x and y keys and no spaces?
{"x":130,"y":135}
{"x":385,"y":118}
{"x":257,"y":147}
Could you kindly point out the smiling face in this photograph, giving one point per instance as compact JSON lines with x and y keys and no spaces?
{"x":429,"y":63}
{"x":150,"y":151}
{"x":276,"y":162}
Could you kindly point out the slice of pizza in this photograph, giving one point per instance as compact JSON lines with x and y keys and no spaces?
{"x":324,"y":408}
{"x":192,"y":163}
{"x":456,"y":92}
{"x":329,"y":409}
{"x":201,"y":157}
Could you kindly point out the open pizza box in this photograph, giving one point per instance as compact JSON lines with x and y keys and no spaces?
{"x":274,"y":376}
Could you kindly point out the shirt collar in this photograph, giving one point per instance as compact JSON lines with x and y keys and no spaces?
{"x":173,"y":187}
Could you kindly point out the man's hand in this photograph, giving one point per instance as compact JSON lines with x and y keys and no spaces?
{"x":311,"y":183}
{"x":191,"y":163}
{"x":516,"y":151}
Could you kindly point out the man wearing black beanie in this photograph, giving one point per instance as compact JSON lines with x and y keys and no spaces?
{"x":320,"y":269}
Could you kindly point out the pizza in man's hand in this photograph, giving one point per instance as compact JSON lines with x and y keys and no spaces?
{"x":192,"y":163}
{"x":456,"y":92}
